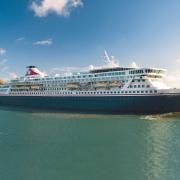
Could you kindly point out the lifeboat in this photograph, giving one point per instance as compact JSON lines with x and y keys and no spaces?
{"x":72,"y":85}
{"x":101,"y":84}
{"x":1,"y":82}
{"x":115,"y":83}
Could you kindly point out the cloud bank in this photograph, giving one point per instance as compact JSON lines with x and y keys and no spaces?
{"x":61,"y":7}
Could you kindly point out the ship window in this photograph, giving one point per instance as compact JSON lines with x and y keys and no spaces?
{"x":126,"y":92}
{"x":139,"y":86}
{"x":134,"y":86}
{"x":150,"y":91}
{"x":122,"y":92}
{"x":143,"y":86}
{"x":148,"y":86}
{"x":142,"y":91}
{"x":137,"y":91}
{"x":155,"y":91}
{"x":129,"y":91}
{"x":146,"y":91}
{"x":134,"y":91}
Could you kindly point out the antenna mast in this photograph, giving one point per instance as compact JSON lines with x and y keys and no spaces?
{"x":106,"y":57}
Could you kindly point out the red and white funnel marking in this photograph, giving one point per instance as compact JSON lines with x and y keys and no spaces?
{"x":34,"y":71}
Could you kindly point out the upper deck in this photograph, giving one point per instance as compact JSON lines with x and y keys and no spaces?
{"x":107,"y":74}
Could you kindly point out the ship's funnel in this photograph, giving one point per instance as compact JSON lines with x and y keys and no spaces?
{"x":34,"y":71}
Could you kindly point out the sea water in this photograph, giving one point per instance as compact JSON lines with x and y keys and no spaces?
{"x":75,"y":146}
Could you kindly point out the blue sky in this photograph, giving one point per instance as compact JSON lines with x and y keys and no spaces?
{"x":74,"y":33}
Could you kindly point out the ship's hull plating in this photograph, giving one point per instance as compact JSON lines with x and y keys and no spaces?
{"x":111,"y":104}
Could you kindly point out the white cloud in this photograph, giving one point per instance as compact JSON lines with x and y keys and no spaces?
{"x":178,"y":60}
{"x":6,"y":73}
{"x":42,"y":8}
{"x":133,"y":65}
{"x":47,"y":42}
{"x":76,"y":3}
{"x":20,"y":39}
{"x":13,"y":75}
{"x":2,"y":51}
{"x":172,"y":79}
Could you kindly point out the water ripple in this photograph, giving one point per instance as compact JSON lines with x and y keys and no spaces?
{"x":160,"y":158}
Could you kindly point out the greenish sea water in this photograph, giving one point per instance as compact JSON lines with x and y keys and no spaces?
{"x":74,"y":146}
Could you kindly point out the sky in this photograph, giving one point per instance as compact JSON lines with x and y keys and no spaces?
{"x":67,"y":34}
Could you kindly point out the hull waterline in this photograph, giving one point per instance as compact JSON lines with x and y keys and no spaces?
{"x":108,"y":104}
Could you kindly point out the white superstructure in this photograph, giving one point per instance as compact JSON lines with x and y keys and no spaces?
{"x":102,"y":81}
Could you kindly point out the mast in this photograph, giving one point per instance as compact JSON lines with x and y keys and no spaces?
{"x":106,"y":57}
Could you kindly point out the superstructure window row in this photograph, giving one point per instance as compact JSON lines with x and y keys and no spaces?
{"x":139,"y":86}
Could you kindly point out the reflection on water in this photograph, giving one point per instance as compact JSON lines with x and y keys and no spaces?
{"x":160,"y":147}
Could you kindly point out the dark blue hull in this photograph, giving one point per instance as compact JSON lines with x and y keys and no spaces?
{"x":109,"y":104}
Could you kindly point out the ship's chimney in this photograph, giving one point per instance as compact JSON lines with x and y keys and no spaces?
{"x":33,"y":71}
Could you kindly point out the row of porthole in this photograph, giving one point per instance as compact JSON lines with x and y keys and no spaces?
{"x":98,"y":92}
{"x":118,"y":92}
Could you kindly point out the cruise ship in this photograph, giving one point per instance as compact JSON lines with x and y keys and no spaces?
{"x":115,"y":89}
